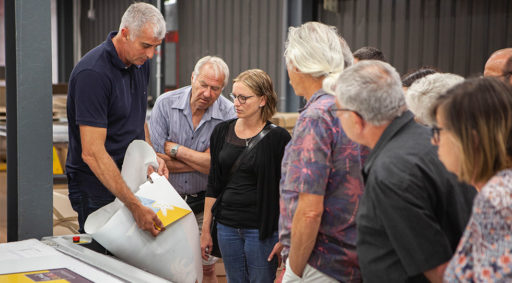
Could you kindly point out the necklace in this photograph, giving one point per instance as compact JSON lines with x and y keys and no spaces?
{"x":247,"y":141}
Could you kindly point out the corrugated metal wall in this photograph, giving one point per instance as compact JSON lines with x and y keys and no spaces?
{"x":107,"y":16}
{"x":245,"y":33}
{"x":454,"y":35}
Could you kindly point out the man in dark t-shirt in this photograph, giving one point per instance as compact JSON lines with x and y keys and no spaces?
{"x":413,"y":211}
{"x":106,"y":107}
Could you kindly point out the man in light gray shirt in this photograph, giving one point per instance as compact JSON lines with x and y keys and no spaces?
{"x":181,"y":123}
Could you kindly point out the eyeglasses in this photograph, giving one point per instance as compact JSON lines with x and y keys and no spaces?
{"x":436,"y":131}
{"x":507,"y":75}
{"x":242,"y":99}
{"x":334,"y":111}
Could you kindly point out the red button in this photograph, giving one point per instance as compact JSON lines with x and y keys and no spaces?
{"x":76,"y":239}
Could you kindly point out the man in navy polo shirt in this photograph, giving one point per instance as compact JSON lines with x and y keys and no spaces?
{"x":106,"y":107}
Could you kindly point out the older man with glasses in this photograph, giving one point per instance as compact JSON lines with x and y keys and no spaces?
{"x":413,"y":211}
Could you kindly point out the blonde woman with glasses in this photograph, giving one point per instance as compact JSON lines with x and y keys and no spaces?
{"x":243,"y":183}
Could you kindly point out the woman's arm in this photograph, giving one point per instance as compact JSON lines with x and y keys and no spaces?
{"x":206,"y":237}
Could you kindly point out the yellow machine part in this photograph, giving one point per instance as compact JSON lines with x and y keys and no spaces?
{"x":57,"y":167}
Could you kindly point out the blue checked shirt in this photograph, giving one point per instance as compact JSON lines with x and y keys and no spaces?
{"x":171,"y":120}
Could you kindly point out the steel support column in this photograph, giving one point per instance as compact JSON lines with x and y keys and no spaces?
{"x":29,"y":119}
{"x":299,"y":12}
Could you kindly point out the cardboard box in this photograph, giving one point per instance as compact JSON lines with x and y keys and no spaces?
{"x":285,"y":120}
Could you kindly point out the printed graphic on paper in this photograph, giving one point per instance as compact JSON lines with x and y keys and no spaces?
{"x":167,"y":213}
{"x":50,"y":275}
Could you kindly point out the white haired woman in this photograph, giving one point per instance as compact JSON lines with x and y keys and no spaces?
{"x":321,"y":181}
{"x":424,"y":92}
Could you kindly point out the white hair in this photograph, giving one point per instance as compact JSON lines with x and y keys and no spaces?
{"x":138,"y":15}
{"x":218,"y":65}
{"x":422,"y":94}
{"x":316,"y":49}
{"x":373,"y":89}
{"x":348,"y":57}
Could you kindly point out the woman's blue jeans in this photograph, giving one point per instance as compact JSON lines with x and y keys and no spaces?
{"x":245,"y":256}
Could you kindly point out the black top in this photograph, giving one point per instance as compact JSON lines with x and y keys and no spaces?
{"x":265,"y":160}
{"x":239,"y":198}
{"x":413,"y":211}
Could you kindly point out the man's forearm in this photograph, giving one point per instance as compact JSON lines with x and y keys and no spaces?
{"x":199,"y":161}
{"x":146,"y":134}
{"x":174,"y":165}
{"x":305,"y":226}
{"x":109,"y":175}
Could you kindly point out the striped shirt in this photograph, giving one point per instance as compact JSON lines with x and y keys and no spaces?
{"x":171,"y":120}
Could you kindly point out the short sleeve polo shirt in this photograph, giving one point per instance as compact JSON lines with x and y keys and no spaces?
{"x":105,"y":93}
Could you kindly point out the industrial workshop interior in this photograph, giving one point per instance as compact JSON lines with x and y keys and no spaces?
{"x":44,"y":121}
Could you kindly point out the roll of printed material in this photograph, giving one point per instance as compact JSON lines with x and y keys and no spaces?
{"x":175,"y":253}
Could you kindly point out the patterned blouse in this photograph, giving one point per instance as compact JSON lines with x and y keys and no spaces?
{"x":320,"y":159}
{"x":484,"y":253}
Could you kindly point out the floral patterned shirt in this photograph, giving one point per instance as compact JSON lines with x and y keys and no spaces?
{"x":320,"y":159}
{"x":484,"y":253}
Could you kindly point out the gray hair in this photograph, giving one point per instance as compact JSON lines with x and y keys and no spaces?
{"x":219,"y":66}
{"x":372,"y":89}
{"x":138,"y":15}
{"x":422,"y":94}
{"x":315,"y":49}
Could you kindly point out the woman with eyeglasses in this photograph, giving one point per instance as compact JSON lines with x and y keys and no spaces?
{"x":246,"y":191}
{"x":473,"y":134}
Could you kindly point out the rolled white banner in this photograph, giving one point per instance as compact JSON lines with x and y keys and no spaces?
{"x":175,"y":253}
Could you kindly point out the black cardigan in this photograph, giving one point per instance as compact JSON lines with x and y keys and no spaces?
{"x":268,"y":154}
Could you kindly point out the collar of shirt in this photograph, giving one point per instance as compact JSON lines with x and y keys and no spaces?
{"x":116,"y":61}
{"x":388,"y":134}
{"x":319,"y":93}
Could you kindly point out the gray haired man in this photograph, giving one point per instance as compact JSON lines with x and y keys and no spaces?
{"x":180,"y":127}
{"x":413,"y":211}
{"x":106,"y":108}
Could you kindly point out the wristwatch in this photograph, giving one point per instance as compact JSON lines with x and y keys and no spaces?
{"x":174,"y":150}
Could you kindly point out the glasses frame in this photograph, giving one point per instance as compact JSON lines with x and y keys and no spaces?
{"x":436,"y":134}
{"x":335,"y":110}
{"x":242,"y":99}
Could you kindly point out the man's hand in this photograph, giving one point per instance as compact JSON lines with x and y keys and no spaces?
{"x":276,"y":251}
{"x":146,"y":219}
{"x":206,"y":245}
{"x":162,"y":167}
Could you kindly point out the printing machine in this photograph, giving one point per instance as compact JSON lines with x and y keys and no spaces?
{"x":63,"y":257}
